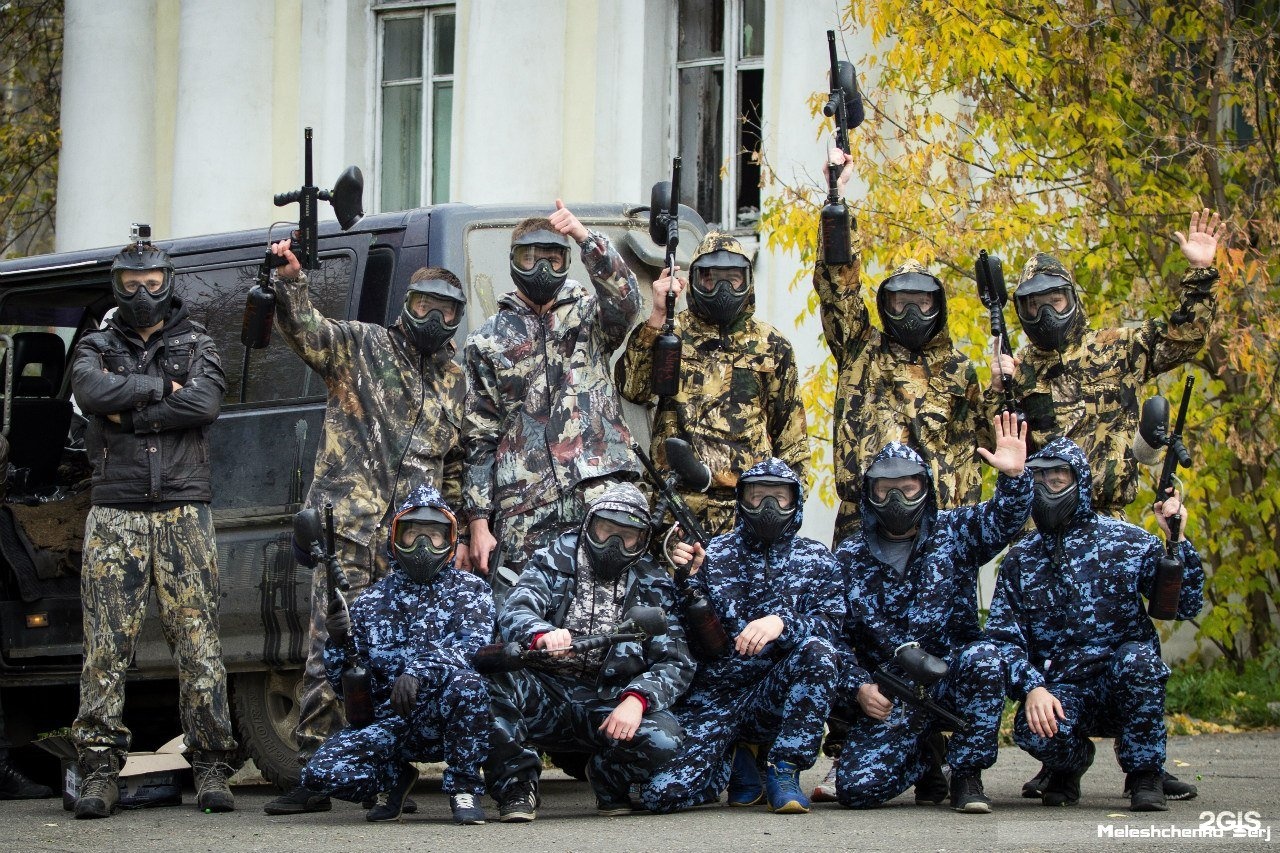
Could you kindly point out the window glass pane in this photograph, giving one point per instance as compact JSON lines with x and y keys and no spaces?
{"x":750,"y":96}
{"x":402,"y":49}
{"x":441,"y":134}
{"x":752,"y":28}
{"x":701,"y":99}
{"x":442,"y":44}
{"x":700,"y":29}
{"x":401,"y":184}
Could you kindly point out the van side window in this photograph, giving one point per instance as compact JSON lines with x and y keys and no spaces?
{"x":216,"y":296}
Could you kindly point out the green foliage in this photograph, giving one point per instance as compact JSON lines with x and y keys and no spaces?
{"x":1217,"y":693}
{"x":1090,"y":129}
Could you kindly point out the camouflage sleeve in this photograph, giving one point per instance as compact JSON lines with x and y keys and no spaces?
{"x":481,"y":425}
{"x":1191,"y":598}
{"x":98,"y":392}
{"x":982,"y":415}
{"x":821,"y":612}
{"x":844,"y":315}
{"x":435,"y":661}
{"x":523,"y":613}
{"x":321,"y":343}
{"x":788,"y":426}
{"x":1174,"y":343}
{"x":671,"y":666}
{"x":632,"y":372}
{"x":195,"y":404}
{"x":1004,"y":629}
{"x":333,"y":661}
{"x":618,"y":294}
{"x":983,"y":531}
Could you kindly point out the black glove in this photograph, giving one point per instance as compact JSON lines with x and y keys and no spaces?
{"x":338,"y":622}
{"x":404,"y":694}
{"x":692,"y":473}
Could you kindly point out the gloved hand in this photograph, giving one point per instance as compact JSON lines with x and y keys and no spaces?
{"x":404,"y":694}
{"x":338,"y":621}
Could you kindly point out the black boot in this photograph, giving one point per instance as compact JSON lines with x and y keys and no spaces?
{"x":299,"y":801}
{"x":1063,"y":787}
{"x":967,"y":794}
{"x":1033,"y":788}
{"x":1147,"y":787}
{"x":932,"y":786}
{"x":15,"y":786}
{"x":100,"y":784}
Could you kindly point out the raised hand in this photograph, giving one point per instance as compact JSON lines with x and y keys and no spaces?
{"x":1011,"y":446}
{"x":567,"y":224}
{"x":1200,"y":244}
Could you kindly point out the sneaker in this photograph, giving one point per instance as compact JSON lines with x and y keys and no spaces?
{"x":1147,"y":788}
{"x":15,"y":786}
{"x":1033,"y":788}
{"x":1174,"y":788}
{"x":746,"y":788}
{"x":519,"y":802}
{"x":100,"y":790}
{"x":967,"y":795}
{"x":466,"y":811}
{"x":931,"y":787}
{"x":825,"y":792}
{"x":1063,"y":787}
{"x":782,"y":781}
{"x":409,"y":807}
{"x":213,"y":794}
{"x":299,"y":801}
{"x":391,"y":803}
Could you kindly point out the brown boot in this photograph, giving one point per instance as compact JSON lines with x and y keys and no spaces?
{"x":213,"y":794}
{"x":99,"y":784}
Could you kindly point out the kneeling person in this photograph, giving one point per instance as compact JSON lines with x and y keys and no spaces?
{"x":610,"y":702}
{"x":415,"y":631}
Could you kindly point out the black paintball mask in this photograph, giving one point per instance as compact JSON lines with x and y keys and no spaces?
{"x":898,"y":513}
{"x":539,"y":264}
{"x":1056,"y":493}
{"x":910,"y":325}
{"x":422,"y":541}
{"x":614,"y":539}
{"x":444,"y":304}
{"x":768,"y":505}
{"x":142,"y":307}
{"x":1046,"y":327}
{"x":720,"y":282}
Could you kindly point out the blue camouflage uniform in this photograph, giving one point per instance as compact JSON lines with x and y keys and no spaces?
{"x":780,"y":695}
{"x":933,"y":603}
{"x":1068,"y":616}
{"x":429,"y":630}
{"x":561,"y":704}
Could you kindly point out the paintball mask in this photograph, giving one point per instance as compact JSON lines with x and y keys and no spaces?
{"x":896,"y":489}
{"x":142,"y":281}
{"x":539,"y":264}
{"x":422,"y":540}
{"x":1045,"y":324}
{"x":912,"y":307}
{"x":768,"y":506}
{"x":614,"y":539}
{"x":433,"y":309}
{"x":1056,"y":493}
{"x":720,"y":280}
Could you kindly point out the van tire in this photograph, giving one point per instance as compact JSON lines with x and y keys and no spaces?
{"x":265,"y":708}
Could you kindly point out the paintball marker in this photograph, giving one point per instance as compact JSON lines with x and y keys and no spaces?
{"x":664,"y":229}
{"x":320,"y":543}
{"x":844,"y":105}
{"x":642,"y":623}
{"x":921,"y":670}
{"x":1153,"y":434}
{"x":671,"y":500}
{"x":994,"y":296}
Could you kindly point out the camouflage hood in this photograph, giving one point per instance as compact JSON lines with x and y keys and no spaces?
{"x":717,"y":241}
{"x":898,"y":450}
{"x":773,"y":467}
{"x":423,"y":495}
{"x":1042,"y":263}
{"x":1065,"y":448}
{"x":623,"y":497}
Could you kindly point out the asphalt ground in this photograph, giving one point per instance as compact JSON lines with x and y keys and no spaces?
{"x":1237,"y":775}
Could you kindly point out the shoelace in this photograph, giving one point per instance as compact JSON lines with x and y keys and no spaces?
{"x":213,"y":775}
{"x":464,"y":801}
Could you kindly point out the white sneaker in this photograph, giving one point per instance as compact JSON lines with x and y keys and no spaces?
{"x":826,"y":792}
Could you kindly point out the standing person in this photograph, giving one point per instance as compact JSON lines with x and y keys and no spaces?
{"x":151,"y":384}
{"x":778,"y":595}
{"x":1082,"y":654}
{"x":614,"y":702}
{"x":543,"y":427}
{"x":415,"y":632}
{"x":911,"y":577}
{"x":739,"y":400}
{"x":392,"y":421}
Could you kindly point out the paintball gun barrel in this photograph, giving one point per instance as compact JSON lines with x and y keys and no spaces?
{"x":994,"y":295}
{"x":642,"y":623}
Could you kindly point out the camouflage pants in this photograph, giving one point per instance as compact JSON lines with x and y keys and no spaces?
{"x":559,"y":714}
{"x":319,"y":709}
{"x":126,"y":552}
{"x":786,"y":708}
{"x":520,"y":535}
{"x":881,"y":759}
{"x":449,"y":724}
{"x":1126,"y":701}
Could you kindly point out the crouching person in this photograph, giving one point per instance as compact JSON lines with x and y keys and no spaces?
{"x":1083,"y":656}
{"x":911,"y":577}
{"x":415,"y":631}
{"x":612,"y":702}
{"x":778,"y":596}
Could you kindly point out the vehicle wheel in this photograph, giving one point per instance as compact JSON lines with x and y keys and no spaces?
{"x":572,"y":763}
{"x":265,"y":706}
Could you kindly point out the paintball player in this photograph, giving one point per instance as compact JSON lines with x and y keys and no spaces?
{"x":1083,"y":384}
{"x":543,"y":426}
{"x":911,"y":577}
{"x":1083,"y":656}
{"x":415,"y":632}
{"x":778,"y":595}
{"x":150,"y":382}
{"x":612,"y":702}
{"x":738,"y":401}
{"x":392,"y":421}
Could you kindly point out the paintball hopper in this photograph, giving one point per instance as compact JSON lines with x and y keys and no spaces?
{"x":847,"y":82}
{"x":920,"y":666}
{"x":1153,"y":431}
{"x":650,"y":621}
{"x":681,"y":460}
{"x":347,"y":197}
{"x":659,"y":212}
